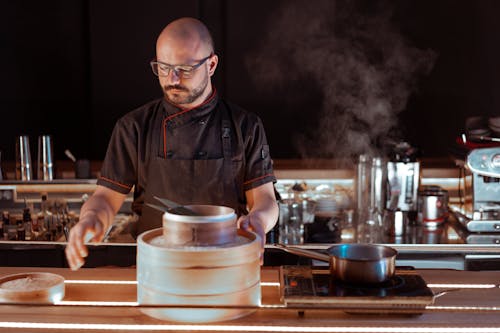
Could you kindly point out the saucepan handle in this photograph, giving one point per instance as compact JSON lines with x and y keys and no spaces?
{"x":304,"y":253}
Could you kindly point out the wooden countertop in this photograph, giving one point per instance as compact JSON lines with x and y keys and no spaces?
{"x":472,"y":304}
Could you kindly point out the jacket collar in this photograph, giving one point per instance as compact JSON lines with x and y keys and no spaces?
{"x":177,"y":114}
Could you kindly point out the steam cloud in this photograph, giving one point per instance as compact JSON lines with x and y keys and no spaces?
{"x":364,"y":66}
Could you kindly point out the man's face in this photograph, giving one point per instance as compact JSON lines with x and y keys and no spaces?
{"x":177,"y":87}
{"x":185,"y":91}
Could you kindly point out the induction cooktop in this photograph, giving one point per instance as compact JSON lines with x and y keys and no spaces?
{"x":309,"y":287}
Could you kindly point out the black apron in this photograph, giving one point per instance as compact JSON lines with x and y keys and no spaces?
{"x":196,"y":181}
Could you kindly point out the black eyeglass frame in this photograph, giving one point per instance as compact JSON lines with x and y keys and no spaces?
{"x":184,"y":71}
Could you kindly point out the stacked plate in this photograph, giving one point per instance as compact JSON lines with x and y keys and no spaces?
{"x":326,"y":206}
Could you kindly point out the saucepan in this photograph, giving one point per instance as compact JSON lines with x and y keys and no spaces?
{"x":354,"y":263}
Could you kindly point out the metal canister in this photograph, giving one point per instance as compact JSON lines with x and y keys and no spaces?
{"x":432,"y":206}
{"x":214,"y":225}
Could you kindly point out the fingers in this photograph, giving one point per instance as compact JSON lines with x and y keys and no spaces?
{"x":253,"y":224}
{"x":76,"y":250}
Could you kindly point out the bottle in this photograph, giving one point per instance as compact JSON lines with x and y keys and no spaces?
{"x":6,"y":225}
{"x":21,"y":233}
{"x":39,"y":224}
{"x":27,"y":224}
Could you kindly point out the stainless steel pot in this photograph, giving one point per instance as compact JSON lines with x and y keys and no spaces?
{"x":355,"y":263}
{"x":209,"y":226}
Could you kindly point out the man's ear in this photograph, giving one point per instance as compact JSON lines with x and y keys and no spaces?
{"x":213,"y":61}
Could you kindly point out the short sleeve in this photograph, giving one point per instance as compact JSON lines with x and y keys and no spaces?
{"x":119,"y":168}
{"x":259,"y":164}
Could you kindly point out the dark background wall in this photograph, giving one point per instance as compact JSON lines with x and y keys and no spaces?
{"x":328,"y":78}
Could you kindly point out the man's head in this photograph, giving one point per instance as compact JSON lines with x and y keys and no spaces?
{"x":185,"y":62}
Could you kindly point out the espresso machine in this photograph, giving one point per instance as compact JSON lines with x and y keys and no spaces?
{"x":480,"y":207}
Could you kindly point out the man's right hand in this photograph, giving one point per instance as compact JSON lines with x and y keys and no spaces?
{"x":96,"y":216}
{"x":76,"y":250}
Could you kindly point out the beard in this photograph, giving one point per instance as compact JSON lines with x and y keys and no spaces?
{"x":179,"y":94}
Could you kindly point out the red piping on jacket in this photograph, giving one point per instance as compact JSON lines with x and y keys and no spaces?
{"x":255,"y":179}
{"x":128,"y":187}
{"x":166,"y":119}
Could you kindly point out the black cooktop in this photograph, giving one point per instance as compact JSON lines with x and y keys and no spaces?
{"x":313,"y":287}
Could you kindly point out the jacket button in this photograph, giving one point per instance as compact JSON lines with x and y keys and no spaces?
{"x":170,"y":154}
{"x":202,"y":153}
{"x":203,"y":122}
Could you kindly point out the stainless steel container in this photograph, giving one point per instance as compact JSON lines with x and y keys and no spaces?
{"x":213,"y":225}
{"x":191,"y":276}
{"x":24,"y":169}
{"x":45,"y":168}
{"x":432,"y":206}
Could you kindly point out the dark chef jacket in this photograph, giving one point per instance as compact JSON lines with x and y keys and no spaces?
{"x":210,"y":154}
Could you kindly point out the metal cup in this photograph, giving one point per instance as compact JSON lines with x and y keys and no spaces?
{"x":45,"y":170}
{"x":23,"y":158}
{"x":82,"y":169}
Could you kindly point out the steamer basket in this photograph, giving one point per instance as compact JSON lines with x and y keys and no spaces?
{"x":214,"y":225}
{"x":198,"y":275}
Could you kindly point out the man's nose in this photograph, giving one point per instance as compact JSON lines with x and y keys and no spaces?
{"x":174,"y":76}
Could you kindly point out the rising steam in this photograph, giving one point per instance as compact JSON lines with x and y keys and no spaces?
{"x":364,"y":66}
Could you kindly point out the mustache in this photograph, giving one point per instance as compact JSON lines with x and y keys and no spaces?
{"x":175,"y":86}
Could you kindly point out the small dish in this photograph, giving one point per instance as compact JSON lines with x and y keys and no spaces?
{"x":33,"y":287}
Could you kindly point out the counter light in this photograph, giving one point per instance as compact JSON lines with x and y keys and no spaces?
{"x":245,"y":328}
{"x":462,"y":285}
{"x":99,"y":282}
{"x":130,"y":282}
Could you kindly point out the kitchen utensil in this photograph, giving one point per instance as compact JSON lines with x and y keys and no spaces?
{"x":45,"y":167}
{"x":175,"y":207}
{"x":208,"y":225}
{"x":33,"y":287}
{"x":23,"y":158}
{"x":68,"y":153}
{"x":354,"y":263}
{"x":82,"y":166}
{"x":82,"y":169}
{"x":227,"y":275}
{"x":432,"y":206}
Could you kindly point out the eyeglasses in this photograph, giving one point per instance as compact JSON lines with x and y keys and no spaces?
{"x":183,"y":71}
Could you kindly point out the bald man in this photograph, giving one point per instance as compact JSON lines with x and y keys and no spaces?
{"x":189,"y":146}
